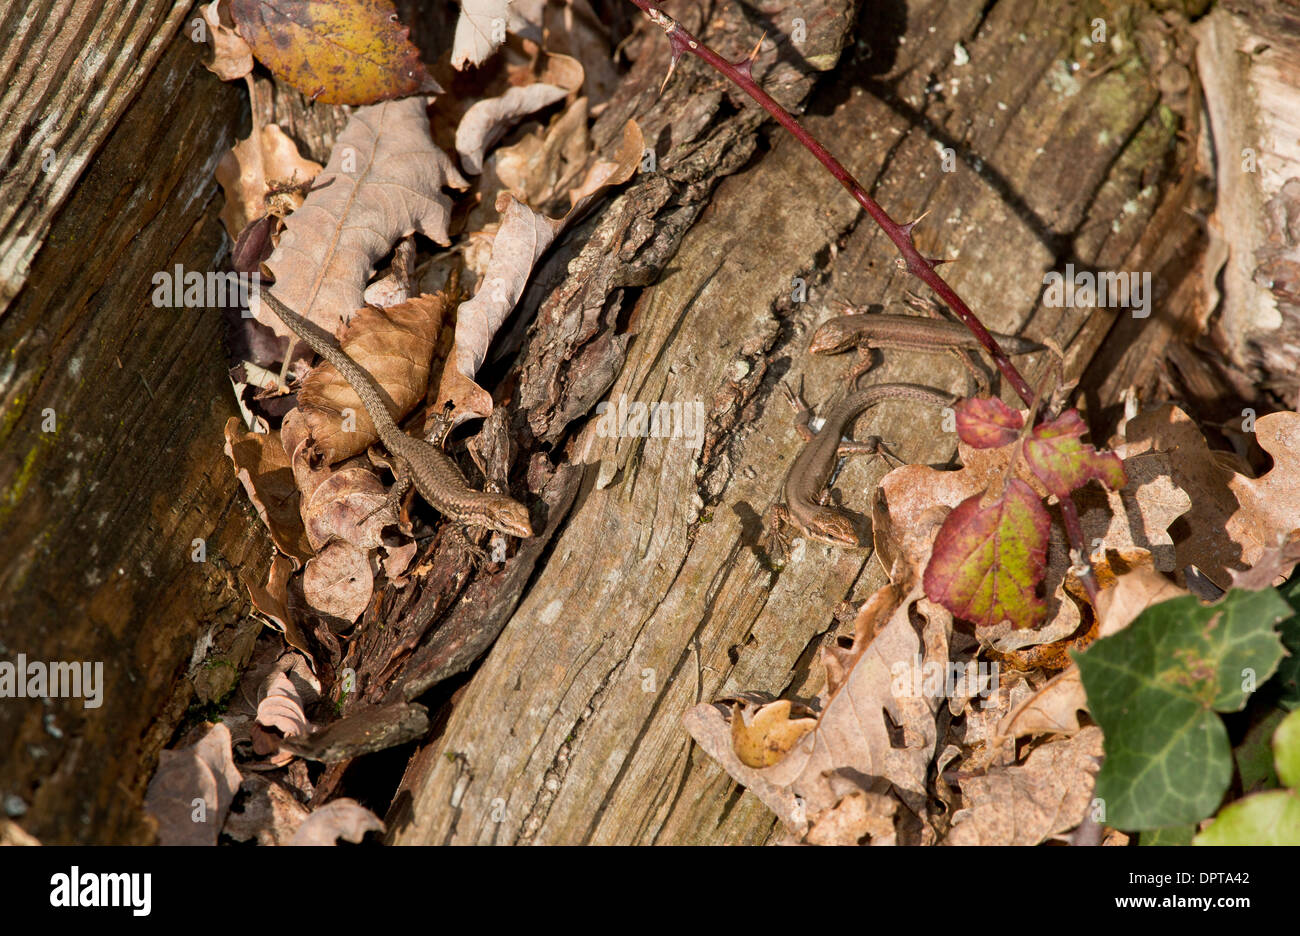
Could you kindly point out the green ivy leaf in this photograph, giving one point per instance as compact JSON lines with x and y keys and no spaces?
{"x":1155,"y":687}
{"x":1287,"y":680}
{"x":1170,"y":835}
{"x":1271,"y":818}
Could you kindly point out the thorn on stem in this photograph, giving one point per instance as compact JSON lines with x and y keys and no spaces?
{"x":907,"y":228}
{"x":746,"y":65}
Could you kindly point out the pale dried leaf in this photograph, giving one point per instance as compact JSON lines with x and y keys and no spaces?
{"x":1053,"y":709}
{"x":231,"y":56}
{"x":341,"y":819}
{"x":480,"y":30}
{"x":245,"y":172}
{"x":271,"y":813}
{"x":383,"y":181}
{"x":1205,"y":476}
{"x":344,"y":507}
{"x":281,"y":707}
{"x":1026,"y":804}
{"x":1270,"y":505}
{"x":487,"y":121}
{"x":338,"y":582}
{"x":205,"y":771}
{"x":859,"y":818}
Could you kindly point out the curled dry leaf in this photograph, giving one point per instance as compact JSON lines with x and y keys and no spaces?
{"x":395,"y":345}
{"x":246,"y":172}
{"x":205,"y":771}
{"x":342,"y":819}
{"x":272,"y":601}
{"x":346,"y":507}
{"x":282,"y":708}
{"x":231,"y":56}
{"x":487,"y":121}
{"x":338,"y":582}
{"x":1054,"y":708}
{"x":538,"y":167}
{"x":1025,"y":804}
{"x":335,"y":51}
{"x":383,"y":181}
{"x":263,"y":469}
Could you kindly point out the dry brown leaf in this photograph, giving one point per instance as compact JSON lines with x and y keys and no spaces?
{"x":876,"y":726}
{"x":395,"y":345}
{"x":487,"y":121}
{"x":281,"y":707}
{"x":1274,"y":563}
{"x":1025,"y":804}
{"x":480,"y":30}
{"x":1119,"y":606}
{"x":383,"y":181}
{"x":271,"y":813}
{"x":263,"y":469}
{"x":1205,"y":476}
{"x":341,"y":819}
{"x":1270,"y":505}
{"x":246,"y":171}
{"x":338,"y":582}
{"x":859,"y":818}
{"x":542,"y":164}
{"x":1054,"y":708}
{"x":344,"y":506}
{"x":192,"y":790}
{"x":272,"y":601}
{"x":1139,"y":515}
{"x":231,"y":56}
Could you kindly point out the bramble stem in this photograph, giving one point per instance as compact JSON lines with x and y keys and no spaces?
{"x":900,"y":234}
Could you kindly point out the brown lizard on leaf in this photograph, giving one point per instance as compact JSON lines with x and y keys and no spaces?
{"x":427,"y":466}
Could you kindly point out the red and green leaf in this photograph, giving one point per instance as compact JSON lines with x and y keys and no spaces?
{"x":1063,"y":463}
{"x":989,"y":558}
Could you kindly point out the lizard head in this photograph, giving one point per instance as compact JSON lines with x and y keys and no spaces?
{"x":505,"y":515}
{"x":831,"y":337}
{"x":829,"y":525}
